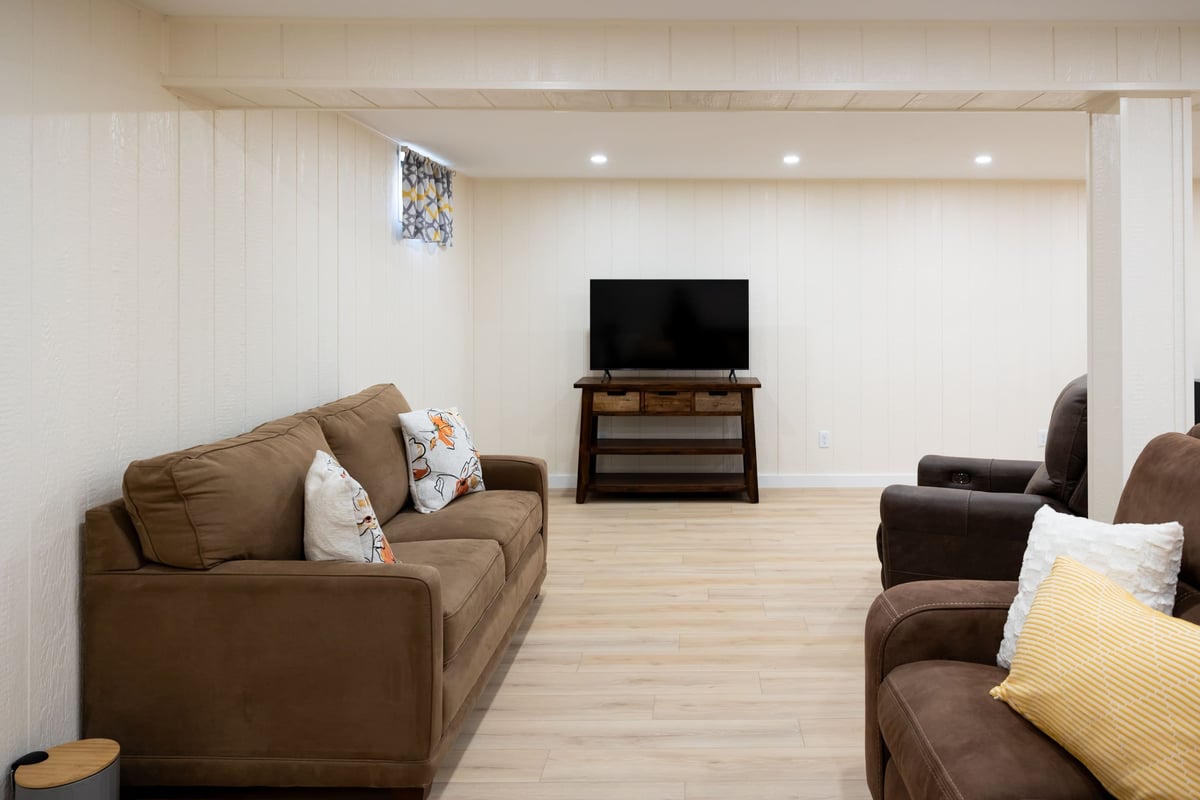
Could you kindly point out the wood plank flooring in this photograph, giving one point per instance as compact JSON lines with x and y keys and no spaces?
{"x":685,"y":650}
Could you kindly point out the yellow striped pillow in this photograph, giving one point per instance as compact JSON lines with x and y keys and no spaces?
{"x":1113,"y":681}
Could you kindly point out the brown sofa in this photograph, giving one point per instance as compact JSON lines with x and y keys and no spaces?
{"x":932,"y":731}
{"x":970,"y":517}
{"x":218,"y":657}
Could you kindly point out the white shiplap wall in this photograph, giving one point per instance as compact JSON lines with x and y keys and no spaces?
{"x":171,"y":276}
{"x":904,"y":317}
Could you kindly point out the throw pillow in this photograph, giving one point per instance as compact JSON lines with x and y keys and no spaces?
{"x":443,"y":462}
{"x":1143,"y":559}
{"x":339,"y":523}
{"x":1113,"y":681}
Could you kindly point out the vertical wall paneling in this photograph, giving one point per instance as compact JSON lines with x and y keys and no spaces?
{"x":260,"y":248}
{"x":56,"y":478}
{"x":284,"y":272}
{"x":928,"y":283}
{"x":196,"y":278}
{"x":230,"y":301}
{"x":888,"y":313}
{"x":326,"y":321}
{"x":791,"y":300}
{"x":817,"y":313}
{"x":902,"y":311}
{"x":347,"y":320}
{"x":112,"y":301}
{"x":307,"y":259}
{"x":848,"y":325}
{"x":16,"y":342}
{"x":364,"y":303}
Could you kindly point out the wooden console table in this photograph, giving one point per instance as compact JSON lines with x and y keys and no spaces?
{"x":666,"y":397}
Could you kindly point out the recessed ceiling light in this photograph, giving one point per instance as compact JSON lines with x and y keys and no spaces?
{"x":791,"y":159}
{"x":984,"y":159}
{"x":599,"y":158}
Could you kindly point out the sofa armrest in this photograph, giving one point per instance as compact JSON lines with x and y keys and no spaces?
{"x":927,"y":532}
{"x":264,"y":661}
{"x":978,"y":474}
{"x":924,"y":621}
{"x":519,"y":472}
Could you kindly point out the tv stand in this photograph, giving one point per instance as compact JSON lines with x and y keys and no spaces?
{"x":666,"y":397}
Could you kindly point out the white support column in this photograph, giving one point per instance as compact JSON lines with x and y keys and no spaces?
{"x":1140,"y":337}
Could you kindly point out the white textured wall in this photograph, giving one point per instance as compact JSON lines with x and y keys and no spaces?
{"x":905,"y":318}
{"x":171,"y":276}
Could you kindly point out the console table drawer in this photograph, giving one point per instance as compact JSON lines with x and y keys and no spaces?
{"x":712,"y":402}
{"x":627,"y":402}
{"x":668,"y":402}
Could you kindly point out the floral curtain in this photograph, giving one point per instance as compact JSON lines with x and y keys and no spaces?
{"x":428,"y":212}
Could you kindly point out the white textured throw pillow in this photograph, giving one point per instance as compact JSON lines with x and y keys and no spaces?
{"x":443,"y":462}
{"x":1143,"y":559}
{"x":339,"y":522}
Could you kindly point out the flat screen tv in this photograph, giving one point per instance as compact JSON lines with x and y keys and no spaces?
{"x":670,"y":324}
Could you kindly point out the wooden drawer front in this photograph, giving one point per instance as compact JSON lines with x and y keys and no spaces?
{"x":730,"y":402}
{"x":668,"y":402}
{"x":627,"y":402}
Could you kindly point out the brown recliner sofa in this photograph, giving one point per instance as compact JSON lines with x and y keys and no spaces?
{"x":218,"y":657}
{"x":932,"y":730}
{"x":970,"y":517}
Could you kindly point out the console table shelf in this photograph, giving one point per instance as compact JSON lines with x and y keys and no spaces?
{"x":666,"y":397}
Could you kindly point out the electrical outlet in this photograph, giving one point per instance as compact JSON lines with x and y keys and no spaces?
{"x":823,"y":439}
{"x":1041,"y":437}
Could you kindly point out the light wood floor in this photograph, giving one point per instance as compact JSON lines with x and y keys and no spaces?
{"x":688,"y":650}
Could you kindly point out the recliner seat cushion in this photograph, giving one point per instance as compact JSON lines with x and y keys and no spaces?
{"x":234,"y":499}
{"x":472,"y":573}
{"x":948,"y":738}
{"x":510,"y":518}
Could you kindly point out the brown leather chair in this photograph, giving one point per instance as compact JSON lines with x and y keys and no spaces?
{"x":969,"y":518}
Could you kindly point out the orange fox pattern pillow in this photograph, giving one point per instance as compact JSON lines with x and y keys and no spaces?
{"x":442,"y":459}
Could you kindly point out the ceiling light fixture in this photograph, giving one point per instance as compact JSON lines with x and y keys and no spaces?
{"x":984,"y":159}
{"x":791,"y":159}
{"x":599,"y":158}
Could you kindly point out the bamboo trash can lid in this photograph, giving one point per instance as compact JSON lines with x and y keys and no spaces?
{"x":68,"y":763}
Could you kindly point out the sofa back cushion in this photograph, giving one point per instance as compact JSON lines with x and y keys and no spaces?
{"x":239,"y":498}
{"x":363,"y":431}
{"x":1164,"y":486}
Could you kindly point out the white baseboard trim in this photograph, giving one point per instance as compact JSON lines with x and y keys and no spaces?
{"x":867,"y":480}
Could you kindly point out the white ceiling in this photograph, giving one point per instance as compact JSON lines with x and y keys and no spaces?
{"x":750,"y":144}
{"x":1000,"y":10}
{"x":732,"y":144}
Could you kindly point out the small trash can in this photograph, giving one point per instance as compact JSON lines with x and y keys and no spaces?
{"x":89,"y":769}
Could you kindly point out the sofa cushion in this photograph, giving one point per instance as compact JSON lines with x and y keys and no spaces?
{"x":1113,"y":681}
{"x":510,"y":518}
{"x":1065,"y":469}
{"x":233,"y":499}
{"x":363,"y":431}
{"x":948,"y":738}
{"x":472,"y":573}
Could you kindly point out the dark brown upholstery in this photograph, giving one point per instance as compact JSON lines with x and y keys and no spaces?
{"x":218,"y":657}
{"x":969,"y":518}
{"x":931,"y":729}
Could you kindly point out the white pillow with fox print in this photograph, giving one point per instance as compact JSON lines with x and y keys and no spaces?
{"x":339,"y":523}
{"x":443,"y":462}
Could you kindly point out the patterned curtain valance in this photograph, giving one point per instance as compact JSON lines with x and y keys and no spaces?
{"x":428,"y":198}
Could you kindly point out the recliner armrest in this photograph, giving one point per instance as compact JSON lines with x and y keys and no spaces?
{"x":929,"y":532}
{"x":924,"y":621}
{"x":977,"y":474}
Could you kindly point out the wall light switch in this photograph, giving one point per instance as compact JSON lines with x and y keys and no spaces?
{"x":823,"y":439}
{"x":1042,"y":437}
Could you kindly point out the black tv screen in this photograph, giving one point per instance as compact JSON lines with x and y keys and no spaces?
{"x":670,"y":324}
